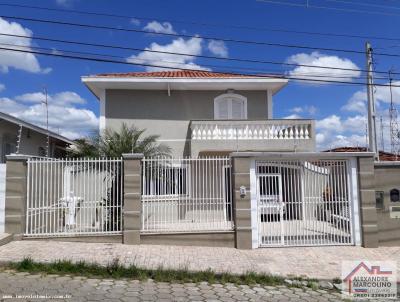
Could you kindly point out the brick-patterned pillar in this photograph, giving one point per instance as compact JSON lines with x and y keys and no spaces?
{"x":15,"y":204}
{"x":242,"y":204}
{"x":132,"y":198}
{"x":369,"y":226}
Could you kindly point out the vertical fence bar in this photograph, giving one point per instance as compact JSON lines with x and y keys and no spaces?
{"x":69,"y":197}
{"x":186,"y":194}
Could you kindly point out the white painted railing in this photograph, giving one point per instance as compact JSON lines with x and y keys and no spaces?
{"x":186,"y":195}
{"x":251,"y":130}
{"x":69,"y":197}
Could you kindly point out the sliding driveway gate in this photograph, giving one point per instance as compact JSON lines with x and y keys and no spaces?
{"x":304,"y":203}
{"x":70,"y":197}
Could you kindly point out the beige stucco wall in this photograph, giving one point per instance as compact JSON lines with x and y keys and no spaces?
{"x":387,"y":178}
{"x":169,"y":116}
{"x":30,"y":140}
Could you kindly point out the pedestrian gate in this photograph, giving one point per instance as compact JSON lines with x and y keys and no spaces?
{"x":304,"y":203}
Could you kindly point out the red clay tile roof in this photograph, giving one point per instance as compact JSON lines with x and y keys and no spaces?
{"x":182,"y":74}
{"x":383,"y":156}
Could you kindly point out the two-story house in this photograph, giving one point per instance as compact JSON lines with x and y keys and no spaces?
{"x":200,"y":112}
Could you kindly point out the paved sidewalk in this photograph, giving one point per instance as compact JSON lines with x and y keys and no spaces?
{"x":75,"y":289}
{"x":312,"y":262}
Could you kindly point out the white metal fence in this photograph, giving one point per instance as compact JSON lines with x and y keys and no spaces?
{"x":2,"y":196}
{"x":74,"y":197}
{"x":304,"y":203}
{"x":186,"y":195}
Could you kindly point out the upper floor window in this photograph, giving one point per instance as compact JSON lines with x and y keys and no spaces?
{"x":230,"y":106}
{"x":394,"y":195}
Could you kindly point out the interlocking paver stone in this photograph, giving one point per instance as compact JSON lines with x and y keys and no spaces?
{"x":82,"y":289}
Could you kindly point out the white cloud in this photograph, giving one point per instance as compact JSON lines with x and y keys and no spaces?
{"x":311,"y":110}
{"x":61,"y":99}
{"x":2,"y":87}
{"x":192,"y":47}
{"x":64,"y":117}
{"x":330,"y":124}
{"x":336,"y":131}
{"x":157,"y":27}
{"x":315,"y":73}
{"x":218,"y":48}
{"x":294,"y":116}
{"x":135,"y":21}
{"x":13,"y":59}
{"x":358,"y":101}
{"x":64,"y":3}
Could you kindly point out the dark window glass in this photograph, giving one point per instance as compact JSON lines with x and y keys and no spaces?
{"x":166,"y":181}
{"x":394,"y":195}
{"x":42,"y":151}
{"x":379,"y":199}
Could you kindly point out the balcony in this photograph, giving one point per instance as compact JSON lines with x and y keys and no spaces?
{"x":249,"y":135}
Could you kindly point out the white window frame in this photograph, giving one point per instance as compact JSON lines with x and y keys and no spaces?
{"x":184,"y":166}
{"x":224,"y":96}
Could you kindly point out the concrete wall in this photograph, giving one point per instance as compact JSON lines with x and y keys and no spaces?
{"x":2,"y":195}
{"x":170,"y":116}
{"x":387,"y":177}
{"x":220,"y":239}
{"x":31,"y":140}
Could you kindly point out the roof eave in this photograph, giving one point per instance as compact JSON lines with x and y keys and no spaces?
{"x":25,"y":124}
{"x":97,"y":84}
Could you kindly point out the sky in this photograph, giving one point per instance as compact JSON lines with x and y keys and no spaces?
{"x":339,"y":109}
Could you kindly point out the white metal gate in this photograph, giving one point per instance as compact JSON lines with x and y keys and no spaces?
{"x":69,"y":197}
{"x":186,"y":194}
{"x":304,"y":203}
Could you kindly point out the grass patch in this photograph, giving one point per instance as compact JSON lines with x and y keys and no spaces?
{"x":116,"y":270}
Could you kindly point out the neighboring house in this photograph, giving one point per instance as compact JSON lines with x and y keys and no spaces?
{"x":201,"y":112}
{"x":19,"y":136}
{"x":383,"y":155}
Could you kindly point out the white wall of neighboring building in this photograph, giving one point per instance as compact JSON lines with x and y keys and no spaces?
{"x":2,"y":195}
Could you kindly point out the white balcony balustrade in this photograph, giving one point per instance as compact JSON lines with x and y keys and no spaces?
{"x":252,"y":130}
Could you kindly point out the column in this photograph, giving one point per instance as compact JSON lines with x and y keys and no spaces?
{"x":16,"y":194}
{"x":242,"y":203}
{"x":369,"y":226}
{"x":132,"y":198}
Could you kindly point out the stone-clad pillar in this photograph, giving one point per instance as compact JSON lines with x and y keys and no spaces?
{"x":132,"y":198}
{"x":242,"y":204}
{"x":16,"y":190}
{"x":369,"y":226}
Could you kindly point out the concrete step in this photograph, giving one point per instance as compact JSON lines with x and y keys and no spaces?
{"x":5,"y":238}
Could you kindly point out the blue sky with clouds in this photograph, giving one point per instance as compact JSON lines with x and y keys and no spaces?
{"x":339,"y":109}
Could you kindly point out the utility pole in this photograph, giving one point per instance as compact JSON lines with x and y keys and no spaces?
{"x":382,"y":138}
{"x":372,"y":143}
{"x":46,"y":103}
{"x":394,"y":125}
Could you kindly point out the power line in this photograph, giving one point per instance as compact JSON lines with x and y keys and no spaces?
{"x":229,"y":26}
{"x":74,"y":42}
{"x":247,"y":69}
{"x":309,"y":5}
{"x":364,"y":4}
{"x":179,"y":68}
{"x":229,"y":40}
